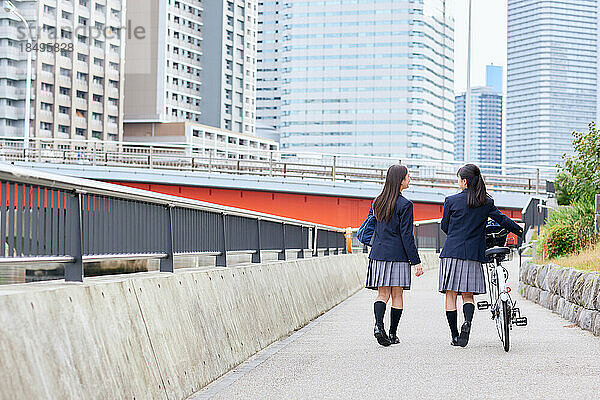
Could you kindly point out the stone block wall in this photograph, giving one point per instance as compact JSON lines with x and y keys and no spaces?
{"x":571,"y":293}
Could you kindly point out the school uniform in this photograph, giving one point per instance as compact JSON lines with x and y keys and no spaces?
{"x":394,"y":249}
{"x":461,"y":261}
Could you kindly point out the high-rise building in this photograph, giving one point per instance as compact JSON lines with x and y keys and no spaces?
{"x":362,"y":77}
{"x":486,"y":121}
{"x":493,"y":77}
{"x":229,"y":65}
{"x":163,"y":70}
{"x":486,"y":127}
{"x":77,"y":69}
{"x":553,"y":77}
{"x":197,"y":63}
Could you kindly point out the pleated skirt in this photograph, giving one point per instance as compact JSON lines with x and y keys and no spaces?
{"x":388,"y":273}
{"x":462,"y":276}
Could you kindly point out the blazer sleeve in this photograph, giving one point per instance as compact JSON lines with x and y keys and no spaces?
{"x":445,"y":217}
{"x":503,"y":220}
{"x":406,"y":233}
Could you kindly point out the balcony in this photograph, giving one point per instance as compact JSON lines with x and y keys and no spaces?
{"x":12,"y":73}
{"x":97,"y":69}
{"x":97,"y":52}
{"x":80,"y":122}
{"x":113,"y":92}
{"x":63,"y":119}
{"x":83,"y":10}
{"x":9,"y":32}
{"x":112,"y":128}
{"x":13,"y":53}
{"x":66,"y":6}
{"x":97,"y":125}
{"x":46,"y":116}
{"x":81,"y":66}
{"x":46,"y":97}
{"x":11,"y":92}
{"x":183,"y":89}
{"x":81,"y":103}
{"x":64,"y":80}
{"x":96,"y":107}
{"x":97,"y":88}
{"x":81,"y":84}
{"x":11,"y":112}
{"x":112,"y":110}
{"x":11,"y":131}
{"x":64,"y":100}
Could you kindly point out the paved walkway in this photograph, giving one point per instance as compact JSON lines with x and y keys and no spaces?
{"x":337,"y":357}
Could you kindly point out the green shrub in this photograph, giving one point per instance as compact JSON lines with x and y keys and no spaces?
{"x":579,"y":179}
{"x":559,"y":240}
{"x":569,"y":229}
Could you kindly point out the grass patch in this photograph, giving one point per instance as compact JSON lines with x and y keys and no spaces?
{"x":586,"y":260}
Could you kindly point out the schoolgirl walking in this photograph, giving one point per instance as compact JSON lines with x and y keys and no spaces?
{"x":461,"y":272}
{"x":393,"y":252}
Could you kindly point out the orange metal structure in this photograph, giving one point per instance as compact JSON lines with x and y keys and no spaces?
{"x":332,"y":210}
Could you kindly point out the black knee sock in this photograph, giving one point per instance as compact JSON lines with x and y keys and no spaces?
{"x":379,"y":308}
{"x":395,"y":315}
{"x":452,"y":317}
{"x":468,"y":310}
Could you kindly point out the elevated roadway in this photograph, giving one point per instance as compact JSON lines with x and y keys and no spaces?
{"x":337,"y":203}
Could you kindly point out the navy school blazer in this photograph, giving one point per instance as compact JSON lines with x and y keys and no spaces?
{"x":394,"y":240}
{"x":465,"y":227}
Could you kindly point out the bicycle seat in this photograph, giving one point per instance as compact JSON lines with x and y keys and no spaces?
{"x":497,"y":251}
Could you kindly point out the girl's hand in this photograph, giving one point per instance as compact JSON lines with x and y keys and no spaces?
{"x":419,"y":270}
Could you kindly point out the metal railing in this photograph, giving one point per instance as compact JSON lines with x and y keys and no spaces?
{"x":535,"y":213}
{"x":429,"y":234}
{"x":212,"y":158}
{"x":597,"y":215}
{"x":48,"y":218}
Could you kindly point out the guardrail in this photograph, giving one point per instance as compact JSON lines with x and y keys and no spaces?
{"x":48,"y":218}
{"x":429,"y":234}
{"x":280,"y":164}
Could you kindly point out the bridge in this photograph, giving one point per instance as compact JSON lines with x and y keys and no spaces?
{"x":328,"y":189}
{"x":159,"y":295}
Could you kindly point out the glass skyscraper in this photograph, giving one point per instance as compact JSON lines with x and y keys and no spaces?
{"x":493,"y":77}
{"x":486,"y":126}
{"x":552,"y":77}
{"x":372,"y":77}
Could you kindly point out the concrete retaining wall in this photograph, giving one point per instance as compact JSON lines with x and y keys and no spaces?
{"x":573,"y":294}
{"x":158,"y":335}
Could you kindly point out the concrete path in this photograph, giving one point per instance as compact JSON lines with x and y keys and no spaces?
{"x":337,"y":357}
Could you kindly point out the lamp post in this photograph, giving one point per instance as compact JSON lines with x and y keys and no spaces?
{"x":467,"y":152}
{"x":11,"y":8}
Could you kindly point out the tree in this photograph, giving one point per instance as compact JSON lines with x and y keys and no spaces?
{"x":579,"y":179}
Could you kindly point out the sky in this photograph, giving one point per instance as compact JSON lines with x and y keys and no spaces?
{"x":488,"y":40}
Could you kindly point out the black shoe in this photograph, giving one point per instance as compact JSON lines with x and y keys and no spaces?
{"x":454,"y":341}
{"x":381,"y":336}
{"x":394,"y":339}
{"x":463,"y":339}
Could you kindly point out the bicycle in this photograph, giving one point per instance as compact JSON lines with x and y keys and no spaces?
{"x":501,"y":305}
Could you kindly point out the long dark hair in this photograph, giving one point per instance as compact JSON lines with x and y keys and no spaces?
{"x":383,"y":207}
{"x":476,"y":192}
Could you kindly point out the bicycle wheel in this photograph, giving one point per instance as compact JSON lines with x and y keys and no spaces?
{"x":505,"y":318}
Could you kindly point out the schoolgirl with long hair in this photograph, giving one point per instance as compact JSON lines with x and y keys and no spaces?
{"x":461,"y":272}
{"x":392,"y":253}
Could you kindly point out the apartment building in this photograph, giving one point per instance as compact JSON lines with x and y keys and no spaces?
{"x":197,"y":63}
{"x":77,"y":69}
{"x":229,"y":67}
